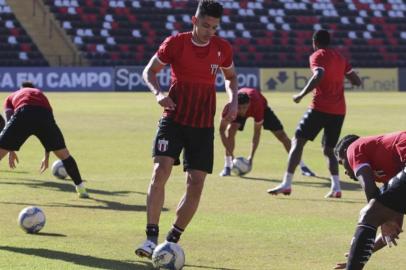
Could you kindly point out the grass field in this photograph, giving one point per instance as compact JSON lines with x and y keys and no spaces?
{"x":238,"y":225}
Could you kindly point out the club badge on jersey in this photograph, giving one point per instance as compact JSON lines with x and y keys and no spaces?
{"x":163,"y":145}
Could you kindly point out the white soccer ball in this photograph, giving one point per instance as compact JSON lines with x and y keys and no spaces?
{"x":241,"y":166}
{"x":168,"y":256}
{"x":31,"y":219}
{"x":58,"y":170}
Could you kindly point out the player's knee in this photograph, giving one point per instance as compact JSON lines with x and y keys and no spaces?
{"x":160,"y":174}
{"x":328,"y":152}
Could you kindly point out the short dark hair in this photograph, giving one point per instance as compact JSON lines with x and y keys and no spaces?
{"x":27,"y":84}
{"x":322,"y":37}
{"x":344,"y":143}
{"x":209,"y":8}
{"x":243,"y":98}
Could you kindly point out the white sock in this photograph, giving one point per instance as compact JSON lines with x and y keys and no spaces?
{"x":80,"y":185}
{"x":287,"y":179}
{"x":228,"y":161}
{"x":335,"y":183}
{"x":302,"y":164}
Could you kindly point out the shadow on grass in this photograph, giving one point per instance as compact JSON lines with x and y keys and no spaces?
{"x":344,"y":184}
{"x":66,"y":186}
{"x":105,"y":205}
{"x":13,"y":172}
{"x":50,"y":234}
{"x":210,"y":267}
{"x":83,"y":260}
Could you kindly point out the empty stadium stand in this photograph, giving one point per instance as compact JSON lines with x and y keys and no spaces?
{"x":264,"y":33}
{"x":16,"y":47}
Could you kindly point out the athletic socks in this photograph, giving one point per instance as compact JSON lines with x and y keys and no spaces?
{"x":287,"y":180}
{"x":362,"y":246}
{"x":335,"y":183}
{"x":174,"y":234}
{"x":152,"y":232}
{"x":228,"y":161}
{"x":72,"y":170}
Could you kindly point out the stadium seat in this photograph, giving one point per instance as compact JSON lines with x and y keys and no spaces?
{"x":274,"y":33}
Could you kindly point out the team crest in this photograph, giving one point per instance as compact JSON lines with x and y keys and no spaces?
{"x":163,"y":145}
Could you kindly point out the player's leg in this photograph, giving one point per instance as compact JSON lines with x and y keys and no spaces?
{"x":198,"y":161}
{"x":188,"y":205}
{"x":331,"y":136}
{"x":51,"y":137}
{"x":386,"y":207}
{"x":166,"y":150}
{"x":15,"y":133}
{"x":228,"y":159}
{"x":307,"y":129}
{"x":72,"y":170}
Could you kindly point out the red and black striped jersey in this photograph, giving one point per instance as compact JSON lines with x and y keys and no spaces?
{"x":193,"y":73}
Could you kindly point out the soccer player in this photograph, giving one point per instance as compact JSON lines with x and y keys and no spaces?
{"x":28,"y":112}
{"x":188,"y":117}
{"x":251,"y":103}
{"x":326,"y":112}
{"x":370,"y":160}
{"x":2,"y":122}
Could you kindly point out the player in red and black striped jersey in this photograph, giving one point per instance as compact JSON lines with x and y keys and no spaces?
{"x":326,"y":111}
{"x":371,"y":160}
{"x":251,"y":103}
{"x":188,"y":118}
{"x":28,"y":112}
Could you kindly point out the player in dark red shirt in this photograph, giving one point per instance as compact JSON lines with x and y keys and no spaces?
{"x":326,"y":111}
{"x":371,"y":160}
{"x":28,"y":112}
{"x":251,"y":103}
{"x":187,"y":121}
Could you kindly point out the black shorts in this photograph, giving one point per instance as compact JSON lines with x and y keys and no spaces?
{"x":271,"y":121}
{"x":314,"y":121}
{"x":196,"y":143}
{"x":32,"y":120}
{"x":394,"y":196}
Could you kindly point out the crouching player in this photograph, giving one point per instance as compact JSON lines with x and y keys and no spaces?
{"x":28,"y":112}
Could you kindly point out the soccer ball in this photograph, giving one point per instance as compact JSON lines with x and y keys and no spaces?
{"x":58,"y":170}
{"x":241,"y":166}
{"x":168,"y":256}
{"x":31,"y":219}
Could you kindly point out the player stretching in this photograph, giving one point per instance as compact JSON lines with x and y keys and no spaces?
{"x":326,"y":112}
{"x":369,"y":160}
{"x":28,"y":112}
{"x":251,"y":103}
{"x":187,"y":121}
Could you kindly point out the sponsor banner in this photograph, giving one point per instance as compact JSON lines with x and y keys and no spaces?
{"x":58,"y":79}
{"x":130,"y":78}
{"x":402,"y":79}
{"x":294,"y":79}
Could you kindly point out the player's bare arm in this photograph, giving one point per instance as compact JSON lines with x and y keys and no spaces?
{"x":366,"y":177}
{"x":150,"y":77}
{"x":318,"y":74}
{"x":225,"y":139}
{"x":12,"y":159}
{"x":8,"y":113}
{"x":255,"y":141}
{"x":231,"y":86}
{"x":353,"y":78}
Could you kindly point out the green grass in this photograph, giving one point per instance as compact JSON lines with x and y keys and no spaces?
{"x":238,"y":225}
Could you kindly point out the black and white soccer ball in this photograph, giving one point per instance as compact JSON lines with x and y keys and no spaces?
{"x":168,"y":256}
{"x":58,"y":170}
{"x":31,"y":219}
{"x":241,"y":166}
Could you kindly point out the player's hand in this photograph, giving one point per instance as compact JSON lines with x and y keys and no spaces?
{"x":44,"y":165}
{"x":12,"y":159}
{"x":390,"y":232}
{"x":165,"y":102}
{"x":230,"y":111}
{"x":297,"y":98}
